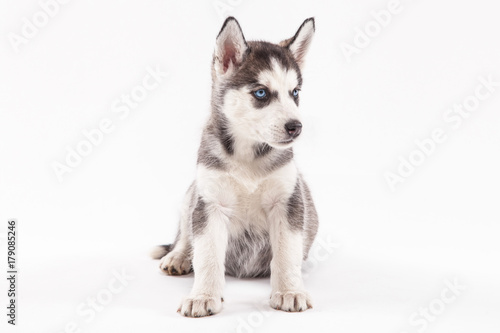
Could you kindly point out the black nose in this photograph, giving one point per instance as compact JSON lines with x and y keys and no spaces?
{"x":293,"y":128}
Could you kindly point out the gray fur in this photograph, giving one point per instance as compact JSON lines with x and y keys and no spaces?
{"x":295,"y":208}
{"x":261,"y":150}
{"x":206,"y":154}
{"x":161,"y":250}
{"x":216,"y":141}
{"x":310,"y":218}
{"x":259,"y":59}
{"x":277,"y":159}
{"x":249,"y":255}
{"x":199,"y":220}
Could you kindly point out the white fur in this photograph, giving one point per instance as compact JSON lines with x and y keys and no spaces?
{"x":208,"y":262}
{"x":177,"y":259}
{"x":235,"y":203}
{"x":244,"y":197}
{"x":209,"y":249}
{"x":286,"y":276}
{"x":252,"y":125}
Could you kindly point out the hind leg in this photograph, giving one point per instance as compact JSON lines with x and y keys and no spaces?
{"x":178,"y":260}
{"x":176,"y":263}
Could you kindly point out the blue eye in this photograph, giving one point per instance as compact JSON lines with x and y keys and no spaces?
{"x":295,"y":92}
{"x":261,"y":93}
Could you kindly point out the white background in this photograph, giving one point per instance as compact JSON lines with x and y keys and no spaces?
{"x":393,"y":250}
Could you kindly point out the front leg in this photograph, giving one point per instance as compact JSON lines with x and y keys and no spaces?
{"x":210,"y":219}
{"x":286,"y":221}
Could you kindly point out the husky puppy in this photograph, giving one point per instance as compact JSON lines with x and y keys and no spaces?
{"x":249,"y":212}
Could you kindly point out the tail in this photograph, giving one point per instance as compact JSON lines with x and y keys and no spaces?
{"x":160,"y":251}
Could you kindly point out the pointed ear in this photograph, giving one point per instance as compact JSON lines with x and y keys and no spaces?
{"x":299,"y":44}
{"x":230,"y":47}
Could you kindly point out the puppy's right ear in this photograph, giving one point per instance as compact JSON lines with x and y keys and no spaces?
{"x":299,"y":44}
{"x":230,"y":47}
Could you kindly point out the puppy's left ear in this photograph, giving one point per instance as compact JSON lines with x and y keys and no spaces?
{"x":299,"y":44}
{"x":230,"y":49}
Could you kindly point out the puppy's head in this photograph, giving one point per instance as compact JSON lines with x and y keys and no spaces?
{"x":258,"y":84}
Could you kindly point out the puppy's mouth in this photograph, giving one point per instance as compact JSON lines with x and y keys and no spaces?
{"x":283,"y":144}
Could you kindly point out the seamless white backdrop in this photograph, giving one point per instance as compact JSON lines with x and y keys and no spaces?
{"x":383,"y":256}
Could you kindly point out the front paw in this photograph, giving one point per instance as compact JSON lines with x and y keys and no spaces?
{"x":291,"y":301}
{"x":200,"y":306}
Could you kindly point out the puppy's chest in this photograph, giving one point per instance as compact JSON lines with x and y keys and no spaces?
{"x":254,"y":190}
{"x":249,"y":211}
